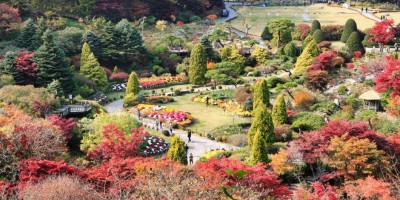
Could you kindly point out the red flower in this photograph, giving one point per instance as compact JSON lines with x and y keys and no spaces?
{"x":180,"y":23}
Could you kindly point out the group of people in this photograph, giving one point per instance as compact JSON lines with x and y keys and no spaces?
{"x":364,"y":9}
{"x":160,"y":126}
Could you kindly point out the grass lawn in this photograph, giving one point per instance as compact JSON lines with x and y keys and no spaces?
{"x":259,"y":16}
{"x":117,"y":95}
{"x":205,"y":118}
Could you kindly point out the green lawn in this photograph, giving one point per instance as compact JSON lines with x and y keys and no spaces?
{"x":259,"y":16}
{"x":205,"y":118}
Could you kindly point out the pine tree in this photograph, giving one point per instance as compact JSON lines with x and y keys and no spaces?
{"x":349,"y":28}
{"x":354,"y":44}
{"x":85,"y":53}
{"x":26,"y":38}
{"x":260,"y":94}
{"x":52,"y":64}
{"x":262,"y":122}
{"x":115,"y":70}
{"x":198,"y":65}
{"x":8,"y":63}
{"x":94,"y":72}
{"x":177,"y":151}
{"x":318,"y":36}
{"x":55,"y":88}
{"x":41,"y":28}
{"x":259,"y":150}
{"x":290,"y":50}
{"x":109,"y":43}
{"x":266,"y":35}
{"x":133,"y":84}
{"x":94,"y":43}
{"x":306,"y":58}
{"x":129,"y":39}
{"x":279,"y":111}
{"x":315,"y":25}
{"x":205,"y":42}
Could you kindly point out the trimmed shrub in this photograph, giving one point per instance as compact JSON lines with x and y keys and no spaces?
{"x":291,"y":50}
{"x":366,"y":42}
{"x":325,"y":107}
{"x":318,"y":36}
{"x":166,"y":133}
{"x":273,"y":81}
{"x":301,"y":31}
{"x":315,"y":25}
{"x":349,"y":28}
{"x":130,"y":100}
{"x":307,"y":121}
{"x":354,"y":44}
{"x":332,"y":32}
{"x":342,"y":90}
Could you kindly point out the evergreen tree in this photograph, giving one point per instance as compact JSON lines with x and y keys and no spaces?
{"x":115,"y":70}
{"x":290,"y":50}
{"x":367,"y":43}
{"x":94,"y":72}
{"x":8,"y":63}
{"x":55,"y":88}
{"x":52,"y":64}
{"x":177,"y":151}
{"x":266,"y":35}
{"x":198,"y":65}
{"x":260,"y":94}
{"x":349,"y":28}
{"x":109,"y":43}
{"x":41,"y":28}
{"x":231,"y":54}
{"x":354,"y":44}
{"x":130,"y":41}
{"x":306,"y":58}
{"x":315,"y":25}
{"x":85,"y":54}
{"x":262,"y":122}
{"x":259,"y":149}
{"x":318,"y":36}
{"x":94,"y":43}
{"x":205,"y":42}
{"x":133,"y":84}
{"x":26,"y":38}
{"x":279,"y":111}
{"x":307,"y":40}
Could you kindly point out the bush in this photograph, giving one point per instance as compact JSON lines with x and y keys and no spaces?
{"x":145,"y":75}
{"x":301,"y":31}
{"x":130,"y":100}
{"x":283,"y":133}
{"x":325,"y":107}
{"x":159,"y":99}
{"x":342,"y":90}
{"x":248,"y":69}
{"x":304,"y":99}
{"x":318,"y":36}
{"x":368,"y":83}
{"x":354,"y":44}
{"x":166,"y":133}
{"x":315,"y":25}
{"x":120,"y":77}
{"x":6,"y":80}
{"x":239,"y":140}
{"x":349,"y":28}
{"x":241,"y":94}
{"x":307,"y":121}
{"x":85,"y":91}
{"x":332,"y":32}
{"x":256,"y":73}
{"x":324,"y":44}
{"x":177,"y":92}
{"x":273,"y":81}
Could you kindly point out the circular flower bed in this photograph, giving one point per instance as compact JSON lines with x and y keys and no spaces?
{"x":165,"y":114}
{"x":154,"y":145}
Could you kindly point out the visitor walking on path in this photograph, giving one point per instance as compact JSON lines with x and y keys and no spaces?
{"x":161,"y":126}
{"x":191,"y":159}
{"x":189,"y":134}
{"x":186,"y":148}
{"x":157,"y":122}
{"x":138,"y":110}
{"x":207,"y":101}
{"x":170,"y":128}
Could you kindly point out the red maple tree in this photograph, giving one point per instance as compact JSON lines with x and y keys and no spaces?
{"x":383,"y":32}
{"x":389,"y":78}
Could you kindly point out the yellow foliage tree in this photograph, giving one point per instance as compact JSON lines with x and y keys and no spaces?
{"x":161,"y":25}
{"x":279,"y":162}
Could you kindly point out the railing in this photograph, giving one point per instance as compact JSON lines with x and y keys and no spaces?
{"x":65,"y":110}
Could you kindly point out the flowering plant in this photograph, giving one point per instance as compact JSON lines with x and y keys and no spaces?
{"x":153,"y":145}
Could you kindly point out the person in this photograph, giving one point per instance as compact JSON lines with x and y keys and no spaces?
{"x":191,"y":159}
{"x":189,"y":134}
{"x":362,"y":9}
{"x":207,"y":100}
{"x":138,"y":114}
{"x":186,"y":148}
{"x":170,"y":128}
{"x":366,"y":10}
{"x":157,"y":122}
{"x":326,"y":119}
{"x":161,"y":128}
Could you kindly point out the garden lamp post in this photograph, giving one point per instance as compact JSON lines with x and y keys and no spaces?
{"x":70,"y":97}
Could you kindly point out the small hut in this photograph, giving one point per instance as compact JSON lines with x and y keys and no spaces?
{"x":372,"y":100}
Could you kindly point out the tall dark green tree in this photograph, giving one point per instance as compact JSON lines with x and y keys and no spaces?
{"x":8,"y":63}
{"x":279,"y":111}
{"x":94,"y":42}
{"x":205,"y":42}
{"x":315,"y":25}
{"x":261,"y":94}
{"x":318,"y":36}
{"x":198,"y":65}
{"x":109,"y":42}
{"x":26,"y":38}
{"x":291,"y":50}
{"x":266,"y":34}
{"x":86,"y":6}
{"x":354,"y":43}
{"x":52,"y":64}
{"x":41,"y":27}
{"x":349,"y":28}
{"x":94,"y":72}
{"x":130,"y":41}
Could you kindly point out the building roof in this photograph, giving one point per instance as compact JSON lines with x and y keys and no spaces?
{"x":370,"y":95}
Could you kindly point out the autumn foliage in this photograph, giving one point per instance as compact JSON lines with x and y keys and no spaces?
{"x":304,"y":99}
{"x":389,"y":79}
{"x":383,"y":32}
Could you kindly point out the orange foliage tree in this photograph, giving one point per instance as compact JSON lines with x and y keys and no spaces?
{"x":304,"y":99}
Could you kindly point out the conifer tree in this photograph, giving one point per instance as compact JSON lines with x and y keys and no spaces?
{"x":315,"y":25}
{"x":85,"y":53}
{"x":26,"y":38}
{"x":205,"y":42}
{"x":109,"y":42}
{"x":41,"y":28}
{"x":318,"y":36}
{"x":52,"y":65}
{"x":93,"y":71}
{"x":349,"y":28}
{"x":115,"y":70}
{"x":198,"y":65}
{"x":130,"y":42}
{"x":306,"y":58}
{"x":8,"y":63}
{"x":94,"y":43}
{"x":354,"y":43}
{"x":177,"y":151}
{"x":133,"y":84}
{"x":259,"y":150}
{"x":266,"y":34}
{"x":279,"y":111}
{"x":290,"y":50}
{"x":262,"y":122}
{"x":260,"y":94}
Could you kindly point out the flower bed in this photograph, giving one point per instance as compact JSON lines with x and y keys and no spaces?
{"x":154,"y":145}
{"x":166,"y":115}
{"x":153,"y":82}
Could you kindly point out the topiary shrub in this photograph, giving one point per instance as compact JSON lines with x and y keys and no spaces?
{"x":177,"y":92}
{"x":273,"y":81}
{"x":354,"y":44}
{"x":304,"y":99}
{"x":315,"y":25}
{"x":291,"y":50}
{"x":325,"y":107}
{"x":318,"y":36}
{"x":307,"y":121}
{"x":166,"y":133}
{"x":349,"y":28}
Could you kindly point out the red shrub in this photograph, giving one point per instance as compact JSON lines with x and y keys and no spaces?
{"x":304,"y":30}
{"x":389,"y":79}
{"x":357,"y":54}
{"x":318,"y":191}
{"x":107,"y":71}
{"x":119,"y":77}
{"x":65,"y":125}
{"x":350,"y":66}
